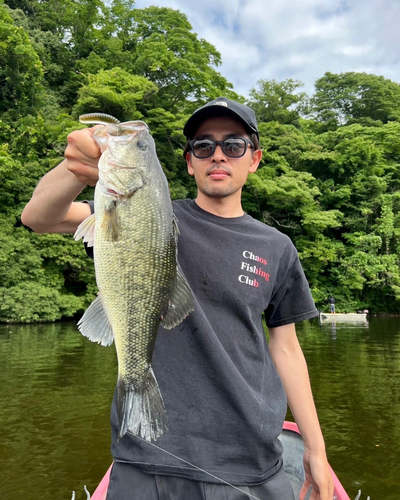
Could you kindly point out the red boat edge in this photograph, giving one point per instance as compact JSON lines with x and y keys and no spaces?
{"x":101,"y":490}
{"x":339,"y":491}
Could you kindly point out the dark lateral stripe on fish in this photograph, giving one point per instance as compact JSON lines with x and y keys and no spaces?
{"x":98,"y":119}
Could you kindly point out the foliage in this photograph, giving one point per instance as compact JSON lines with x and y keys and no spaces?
{"x":20,"y":67}
{"x":115,"y":92}
{"x":368,"y":99}
{"x":329,"y":178}
{"x":278,"y":101}
{"x":335,"y":192}
{"x":42,"y":277}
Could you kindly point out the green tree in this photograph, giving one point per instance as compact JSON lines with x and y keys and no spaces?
{"x":329,"y":179}
{"x":278,"y":101}
{"x":117,"y":93}
{"x":20,"y":68}
{"x":172,"y":56}
{"x":347,"y":97}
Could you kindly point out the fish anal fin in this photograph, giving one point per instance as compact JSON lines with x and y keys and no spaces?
{"x":94,"y":324}
{"x":85,"y":230}
{"x":181,"y":303}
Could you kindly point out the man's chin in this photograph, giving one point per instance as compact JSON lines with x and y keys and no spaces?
{"x":219,"y":192}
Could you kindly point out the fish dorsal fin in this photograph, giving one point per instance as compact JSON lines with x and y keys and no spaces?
{"x":94,"y":324}
{"x":181,"y":303}
{"x":85,"y":230}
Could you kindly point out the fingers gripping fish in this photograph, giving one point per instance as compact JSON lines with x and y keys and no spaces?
{"x":134,"y":237}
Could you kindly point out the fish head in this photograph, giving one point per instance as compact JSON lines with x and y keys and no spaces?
{"x":127,"y":148}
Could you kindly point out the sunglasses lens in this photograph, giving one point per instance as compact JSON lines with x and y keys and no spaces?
{"x":203,"y":148}
{"x":234,"y":148}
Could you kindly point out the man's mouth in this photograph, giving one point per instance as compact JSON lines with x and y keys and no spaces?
{"x":218,"y":173}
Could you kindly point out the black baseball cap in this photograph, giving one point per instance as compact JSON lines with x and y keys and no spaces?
{"x":221,"y":107}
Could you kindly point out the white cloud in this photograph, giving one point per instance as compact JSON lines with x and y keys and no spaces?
{"x":300,"y":39}
{"x":354,"y":50}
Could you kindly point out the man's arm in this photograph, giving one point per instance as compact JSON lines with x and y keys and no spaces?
{"x":292,"y":368}
{"x":51,"y":208}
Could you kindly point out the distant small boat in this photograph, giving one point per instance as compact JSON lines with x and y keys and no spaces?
{"x":343,"y":317}
{"x":293,"y":450}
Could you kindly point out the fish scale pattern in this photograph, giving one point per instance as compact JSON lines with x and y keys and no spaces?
{"x":135,"y":275}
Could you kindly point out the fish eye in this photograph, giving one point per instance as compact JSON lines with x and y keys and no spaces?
{"x":142,"y":145}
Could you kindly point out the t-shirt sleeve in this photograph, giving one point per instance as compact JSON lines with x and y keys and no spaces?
{"x":292,"y":300}
{"x":91,"y":205}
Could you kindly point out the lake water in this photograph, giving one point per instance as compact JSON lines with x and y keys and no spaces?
{"x":56,"y":388}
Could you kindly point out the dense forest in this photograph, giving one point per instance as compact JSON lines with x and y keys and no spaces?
{"x":329,"y":178}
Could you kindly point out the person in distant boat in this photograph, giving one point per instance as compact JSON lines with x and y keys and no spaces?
{"x":225,"y":387}
{"x":331,"y":300}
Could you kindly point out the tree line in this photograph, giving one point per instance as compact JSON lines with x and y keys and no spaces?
{"x":329,"y":177}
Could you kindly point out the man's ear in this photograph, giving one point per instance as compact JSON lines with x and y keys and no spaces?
{"x":255,"y":161}
{"x":189,"y":164}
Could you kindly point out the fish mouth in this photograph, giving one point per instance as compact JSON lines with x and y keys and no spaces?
{"x":120,"y":129}
{"x":121,"y":166}
{"x":125,"y":131}
{"x":122,"y":133}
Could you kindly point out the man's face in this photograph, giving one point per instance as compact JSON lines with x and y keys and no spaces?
{"x":220,"y":176}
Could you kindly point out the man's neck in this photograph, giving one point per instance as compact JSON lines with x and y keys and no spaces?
{"x":228,"y":207}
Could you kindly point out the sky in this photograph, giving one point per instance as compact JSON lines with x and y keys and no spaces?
{"x":298,"y":39}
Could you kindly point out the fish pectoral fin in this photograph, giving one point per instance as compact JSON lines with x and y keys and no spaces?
{"x":181,"y":304}
{"x":175,"y":226}
{"x":111,"y":222}
{"x":85,"y":230}
{"x":94,"y":324}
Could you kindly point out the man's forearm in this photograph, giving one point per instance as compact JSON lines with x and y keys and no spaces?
{"x":298,"y":390}
{"x":52,"y":199}
{"x":292,"y":368}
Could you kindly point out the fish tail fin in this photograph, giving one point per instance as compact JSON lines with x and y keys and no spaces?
{"x":141,"y":408}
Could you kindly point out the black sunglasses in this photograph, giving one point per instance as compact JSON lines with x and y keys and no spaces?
{"x":233,"y":147}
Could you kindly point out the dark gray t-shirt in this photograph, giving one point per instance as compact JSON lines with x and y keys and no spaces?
{"x":223,"y":396}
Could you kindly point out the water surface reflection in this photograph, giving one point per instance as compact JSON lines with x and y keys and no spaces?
{"x":355,"y":374}
{"x":56,"y":389}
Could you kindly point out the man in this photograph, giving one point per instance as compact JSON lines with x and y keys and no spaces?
{"x":223,"y":387}
{"x":332,"y":302}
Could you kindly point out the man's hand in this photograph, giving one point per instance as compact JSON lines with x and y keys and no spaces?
{"x":318,"y":475}
{"x":82,"y":155}
{"x":52,"y":208}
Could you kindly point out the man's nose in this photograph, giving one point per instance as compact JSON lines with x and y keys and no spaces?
{"x":218,"y":154}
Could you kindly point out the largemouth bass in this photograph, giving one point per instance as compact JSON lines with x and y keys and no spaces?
{"x":134,"y":236}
